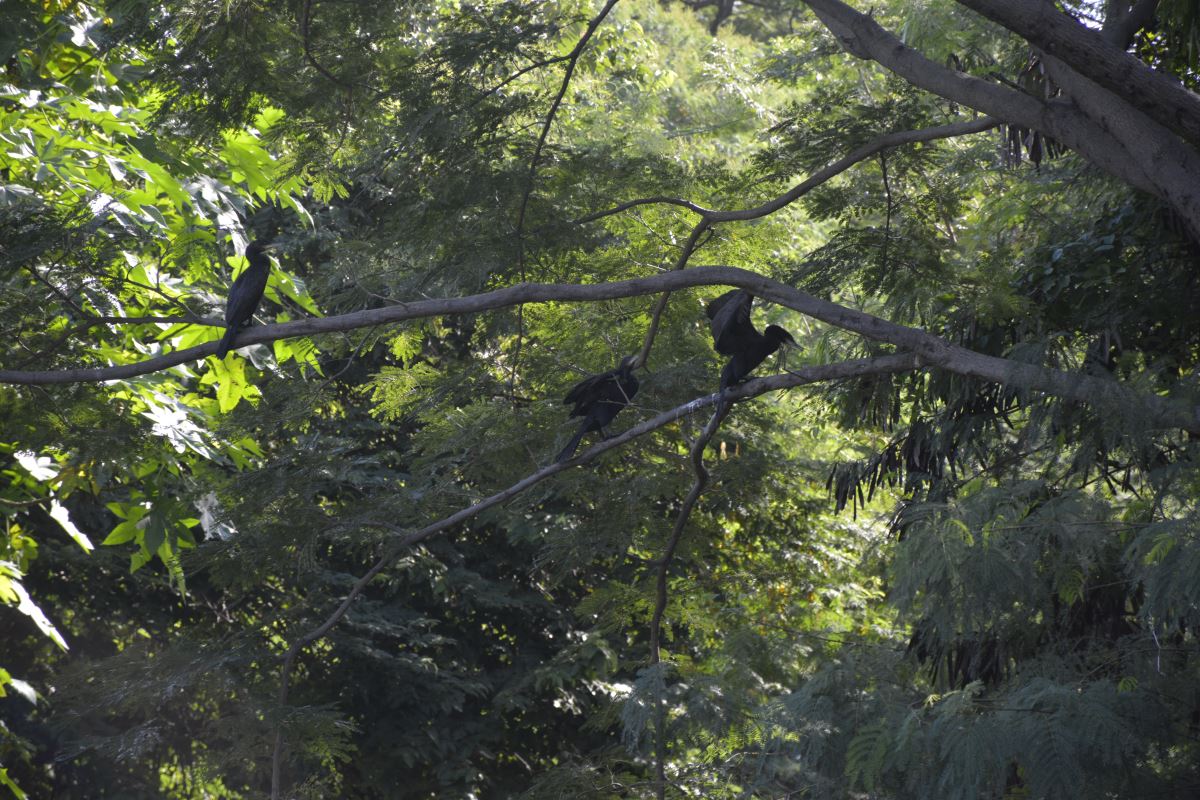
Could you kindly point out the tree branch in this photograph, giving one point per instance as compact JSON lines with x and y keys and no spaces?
{"x":934,"y":351}
{"x":709,"y":217}
{"x":1138,"y":135}
{"x":305,"y":26}
{"x":1125,"y":20}
{"x":645,"y":201}
{"x":90,"y":322}
{"x":1167,"y":169}
{"x":754,"y":388}
{"x":689,"y":247}
{"x":572,"y":61}
{"x":664,"y":565}
{"x":522,"y":71}
{"x":869,"y":149}
{"x":1155,"y":94}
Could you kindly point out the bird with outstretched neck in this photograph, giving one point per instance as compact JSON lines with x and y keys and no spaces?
{"x":598,"y":399}
{"x":246,"y":293}
{"x":735,"y":336}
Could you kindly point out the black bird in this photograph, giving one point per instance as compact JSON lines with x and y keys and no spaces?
{"x":598,"y":400}
{"x":734,"y":335}
{"x":245,"y":293}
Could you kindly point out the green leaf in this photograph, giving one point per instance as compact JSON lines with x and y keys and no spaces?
{"x":231,"y":382}
{"x":866,"y":754}
{"x":122,"y":533}
{"x":156,"y":531}
{"x":12,"y":787}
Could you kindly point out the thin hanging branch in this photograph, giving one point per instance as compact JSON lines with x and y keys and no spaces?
{"x":305,"y":34}
{"x":887,"y":224}
{"x":572,"y":62}
{"x":664,"y":565}
{"x":404,"y":541}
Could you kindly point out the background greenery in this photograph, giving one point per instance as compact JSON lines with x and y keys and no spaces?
{"x":909,"y":586}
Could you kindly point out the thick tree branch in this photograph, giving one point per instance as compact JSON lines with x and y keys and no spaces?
{"x":1125,"y":19}
{"x":1139,"y":135}
{"x":800,"y":377}
{"x":1155,"y":94}
{"x":885,"y":142}
{"x":1167,"y":169}
{"x":933,"y":350}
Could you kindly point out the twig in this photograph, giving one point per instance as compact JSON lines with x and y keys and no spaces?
{"x":305,"y":23}
{"x":92,"y":321}
{"x":887,"y":225}
{"x":189,"y":320}
{"x":65,"y":297}
{"x":175,"y":301}
{"x":523,"y":71}
{"x":24,"y":503}
{"x":754,"y":388}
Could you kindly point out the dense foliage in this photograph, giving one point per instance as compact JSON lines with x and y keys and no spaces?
{"x":339,"y":562}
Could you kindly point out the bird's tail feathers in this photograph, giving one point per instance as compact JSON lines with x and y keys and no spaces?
{"x":572,"y":445}
{"x":226,"y":344}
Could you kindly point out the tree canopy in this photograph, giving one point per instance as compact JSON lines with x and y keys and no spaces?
{"x":947,"y":545}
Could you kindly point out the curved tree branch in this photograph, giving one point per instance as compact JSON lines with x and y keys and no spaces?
{"x":643,"y":201}
{"x":800,"y":377}
{"x":1155,"y":161}
{"x":664,"y":566}
{"x":933,"y":350}
{"x":869,"y":149}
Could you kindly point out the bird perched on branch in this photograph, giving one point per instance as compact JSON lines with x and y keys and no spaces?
{"x":598,"y":399}
{"x":734,"y":335}
{"x":246,"y":293}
